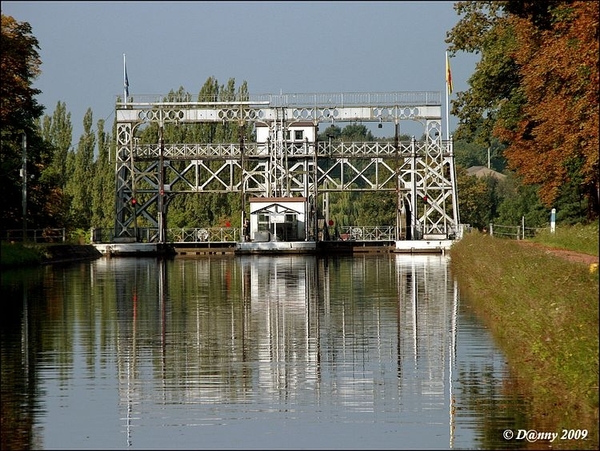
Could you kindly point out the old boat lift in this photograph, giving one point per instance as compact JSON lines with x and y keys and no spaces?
{"x":285,"y":176}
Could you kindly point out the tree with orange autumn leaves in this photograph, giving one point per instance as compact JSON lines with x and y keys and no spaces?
{"x":535,"y":90}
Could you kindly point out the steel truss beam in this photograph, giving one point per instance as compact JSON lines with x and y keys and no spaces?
{"x":422,"y":173}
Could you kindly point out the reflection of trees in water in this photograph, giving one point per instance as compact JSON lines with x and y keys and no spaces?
{"x":491,"y":403}
{"x":27,"y":300}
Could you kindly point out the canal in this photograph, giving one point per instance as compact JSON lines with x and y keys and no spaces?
{"x":250,"y":352}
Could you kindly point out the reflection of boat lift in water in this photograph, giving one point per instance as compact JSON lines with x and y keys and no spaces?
{"x":286,"y":293}
{"x":419,"y":284}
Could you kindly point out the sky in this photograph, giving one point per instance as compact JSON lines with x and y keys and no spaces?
{"x":289,"y":47}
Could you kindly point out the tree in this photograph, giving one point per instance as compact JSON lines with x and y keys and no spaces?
{"x":204,"y":209}
{"x":485,"y":29}
{"x":19,"y":110}
{"x":103,"y":187}
{"x":343,"y":208}
{"x":521,"y":201}
{"x":79,"y":185}
{"x":555,"y":140}
{"x":20,"y":63}
{"x":468,"y":153}
{"x":535,"y":89}
{"x":356,"y":132}
{"x":377,"y":209}
{"x":57,"y":131}
{"x":475,"y":200}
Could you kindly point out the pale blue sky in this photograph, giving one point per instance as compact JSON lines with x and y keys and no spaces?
{"x":301,"y":47}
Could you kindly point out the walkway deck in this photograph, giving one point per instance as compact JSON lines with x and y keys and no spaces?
{"x":280,"y":247}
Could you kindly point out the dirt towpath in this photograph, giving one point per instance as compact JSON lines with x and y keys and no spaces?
{"x":566,"y":254}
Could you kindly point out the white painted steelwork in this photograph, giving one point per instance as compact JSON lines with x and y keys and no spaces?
{"x":422,"y":172}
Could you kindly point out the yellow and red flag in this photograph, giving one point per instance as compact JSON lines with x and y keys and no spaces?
{"x":448,"y":75}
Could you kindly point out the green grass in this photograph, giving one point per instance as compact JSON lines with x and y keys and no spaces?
{"x":16,"y":254}
{"x":543,"y":312}
{"x":580,"y":238}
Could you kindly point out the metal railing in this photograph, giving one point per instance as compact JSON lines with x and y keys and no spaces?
{"x":333,"y":99}
{"x":35,"y":235}
{"x":173,"y":235}
{"x":203,"y":234}
{"x":337,"y":149}
{"x":513,"y":232}
{"x":232,"y":234}
{"x":366,"y":233}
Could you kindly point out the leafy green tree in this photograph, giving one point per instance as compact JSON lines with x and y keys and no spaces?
{"x":473,"y":200}
{"x":356,"y":133}
{"x":204,"y":209}
{"x":332,"y":132}
{"x":468,"y":153}
{"x":103,"y":186}
{"x":343,"y":208}
{"x":571,"y":204}
{"x":494,"y":86}
{"x":377,"y":209}
{"x":57,"y":131}
{"x":189,"y":210}
{"x":518,"y":201}
{"x":79,"y":186}
{"x":19,"y":111}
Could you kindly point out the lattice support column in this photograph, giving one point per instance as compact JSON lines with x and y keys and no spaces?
{"x":124,"y":169}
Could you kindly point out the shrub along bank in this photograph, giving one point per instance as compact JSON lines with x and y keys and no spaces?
{"x":543,"y":312}
{"x":14,"y":255}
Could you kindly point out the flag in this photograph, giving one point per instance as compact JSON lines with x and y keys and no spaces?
{"x":126,"y":83}
{"x":125,"y":80}
{"x":448,"y":75}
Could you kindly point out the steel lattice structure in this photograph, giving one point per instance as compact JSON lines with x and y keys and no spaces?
{"x":422,"y":173}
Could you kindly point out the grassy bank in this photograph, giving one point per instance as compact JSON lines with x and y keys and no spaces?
{"x":17,"y":255}
{"x":13,"y":255}
{"x":543,"y":312}
{"x":578,"y":238}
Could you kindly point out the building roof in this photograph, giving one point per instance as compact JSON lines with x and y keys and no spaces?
{"x":482,"y":171}
{"x":277,"y":199}
{"x":279,"y":210}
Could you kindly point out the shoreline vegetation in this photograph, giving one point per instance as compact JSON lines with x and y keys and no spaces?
{"x":542,"y":311}
{"x":18,"y":255}
{"x":577,"y":238}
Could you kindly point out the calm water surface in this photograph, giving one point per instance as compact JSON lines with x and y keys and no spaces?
{"x":249,"y":352}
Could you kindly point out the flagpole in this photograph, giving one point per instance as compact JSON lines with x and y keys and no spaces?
{"x":447,"y":96}
{"x":125,"y":81}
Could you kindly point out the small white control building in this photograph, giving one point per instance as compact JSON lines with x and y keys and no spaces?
{"x":278,"y":219}
{"x":296,"y":133}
